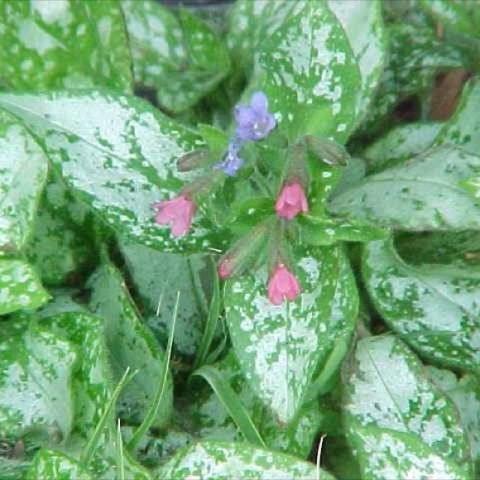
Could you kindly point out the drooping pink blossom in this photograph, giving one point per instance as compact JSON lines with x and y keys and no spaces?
{"x":282,"y":285}
{"x":291,"y":201}
{"x":177,"y":213}
{"x":225,"y":268}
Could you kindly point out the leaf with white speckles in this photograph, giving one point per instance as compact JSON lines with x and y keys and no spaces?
{"x":35,"y":373}
{"x":310,"y":74}
{"x":91,"y":381}
{"x":180,"y":57}
{"x":465,"y":393}
{"x":224,"y":461}
{"x":131,"y":345}
{"x":281,"y":348}
{"x":390,"y":402}
{"x":463,"y":128}
{"x":434,"y":308}
{"x":20,"y":288}
{"x":23,"y":173}
{"x":118,"y":153}
{"x":363,"y":25}
{"x":46,"y":44}
{"x":158,"y":276}
{"x":49,"y":465}
{"x":420,"y":194}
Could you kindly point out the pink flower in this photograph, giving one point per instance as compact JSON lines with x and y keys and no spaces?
{"x":282,"y":285}
{"x":177,"y":212}
{"x":291,"y":201}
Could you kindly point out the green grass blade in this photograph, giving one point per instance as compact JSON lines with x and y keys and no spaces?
{"x":232,"y":403}
{"x":157,"y":400}
{"x":93,"y":441}
{"x":120,"y":456}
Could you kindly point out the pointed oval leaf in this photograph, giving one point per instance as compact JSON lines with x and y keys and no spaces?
{"x":281,"y":347}
{"x":46,"y":44}
{"x":405,"y":403}
{"x":118,"y":153}
{"x":310,"y":74}
{"x":421,"y":194}
{"x":52,"y":465}
{"x":224,"y":461}
{"x":434,"y":308}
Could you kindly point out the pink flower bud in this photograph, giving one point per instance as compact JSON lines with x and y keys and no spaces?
{"x":282,"y":285}
{"x":291,"y":201}
{"x":177,"y":212}
{"x":225,"y":268}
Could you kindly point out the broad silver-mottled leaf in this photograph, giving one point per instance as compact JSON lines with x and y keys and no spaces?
{"x":118,"y":153}
{"x":36,"y":369}
{"x":389,"y":398}
{"x":363,"y":25}
{"x":420,"y":194}
{"x":281,"y":348}
{"x":53,"y":465}
{"x":23,"y":172}
{"x":224,"y":461}
{"x":434,"y":308}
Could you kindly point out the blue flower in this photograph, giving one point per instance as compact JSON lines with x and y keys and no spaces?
{"x":254,"y":121}
{"x":232,"y":162}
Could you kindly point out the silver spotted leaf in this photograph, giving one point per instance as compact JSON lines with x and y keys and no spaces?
{"x":20,"y":288}
{"x":52,"y":465}
{"x":36,"y":368}
{"x":434,"y":308}
{"x":310,"y":74}
{"x":423,"y":193}
{"x":47,"y":44}
{"x":415,"y":426}
{"x":118,"y":153}
{"x":23,"y":173}
{"x":224,"y":461}
{"x":281,"y":348}
{"x":178,"y":56}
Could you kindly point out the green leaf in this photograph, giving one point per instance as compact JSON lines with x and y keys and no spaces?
{"x":420,"y":194}
{"x":119,"y":168}
{"x":157,"y":277}
{"x":461,"y":17}
{"x":61,"y":245}
{"x":281,"y":348}
{"x":179,"y":56}
{"x":402,"y":142}
{"x":463,"y":128}
{"x":432,"y":307}
{"x":310,"y":74}
{"x":52,"y":465}
{"x":35,"y":374}
{"x":399,"y":424}
{"x":465,"y":393}
{"x":223,"y":461}
{"x":364,"y":28}
{"x":130,"y":345}
{"x":91,"y":382}
{"x":20,"y":288}
{"x":63,"y":44}
{"x":23,"y":172}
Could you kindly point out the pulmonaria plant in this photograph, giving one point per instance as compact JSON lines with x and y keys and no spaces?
{"x":269,"y":242}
